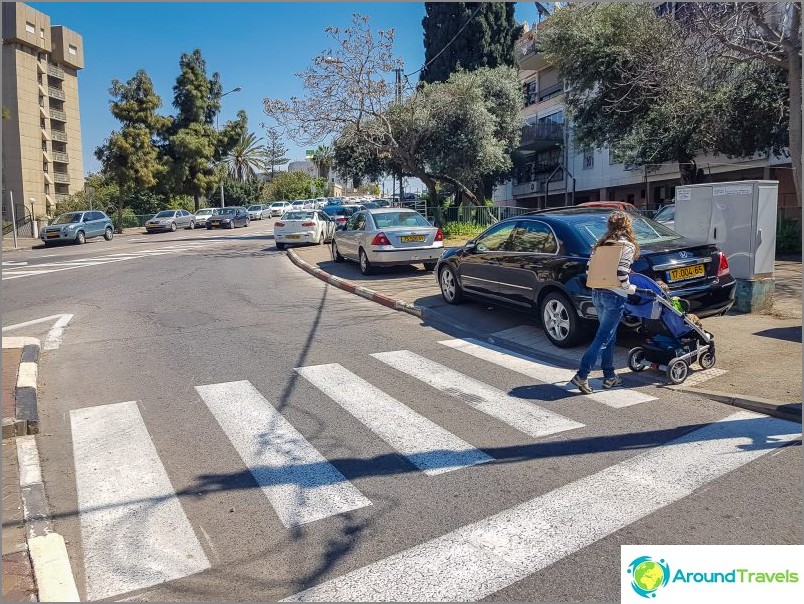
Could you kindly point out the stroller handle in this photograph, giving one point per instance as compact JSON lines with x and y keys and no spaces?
{"x":649,"y":292}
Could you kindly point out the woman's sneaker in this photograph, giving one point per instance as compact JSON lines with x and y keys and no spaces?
{"x":612,"y":382}
{"x":582,"y":385}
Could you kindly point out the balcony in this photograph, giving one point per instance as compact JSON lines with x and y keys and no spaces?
{"x":61,"y":157}
{"x":541,"y":136}
{"x":55,"y":114}
{"x":61,"y":178}
{"x":539,"y":187}
{"x":58,"y":135}
{"x":55,"y":93}
{"x":55,"y":71}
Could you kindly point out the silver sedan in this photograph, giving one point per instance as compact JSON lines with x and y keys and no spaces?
{"x":387,"y":237}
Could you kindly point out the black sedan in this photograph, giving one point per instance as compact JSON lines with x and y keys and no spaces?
{"x":538,"y":262}
{"x":228,"y":218}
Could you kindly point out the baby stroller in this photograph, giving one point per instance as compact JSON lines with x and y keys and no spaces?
{"x":672,"y":340}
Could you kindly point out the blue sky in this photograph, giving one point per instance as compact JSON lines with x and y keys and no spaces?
{"x":256,"y":45}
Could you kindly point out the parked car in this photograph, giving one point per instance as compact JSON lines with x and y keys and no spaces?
{"x":383,"y":203}
{"x":303,"y":226}
{"x":228,"y":218}
{"x":340,"y":214}
{"x":170,"y":220}
{"x":335,"y":201}
{"x":537,"y":263}
{"x":610,"y":205}
{"x":387,"y":237}
{"x":666,"y":215}
{"x":258,"y":212}
{"x":298,"y":204}
{"x":202,"y":215}
{"x":279,"y":207}
{"x":368,"y":205}
{"x":77,"y":227}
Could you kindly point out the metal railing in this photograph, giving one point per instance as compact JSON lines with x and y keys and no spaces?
{"x":55,"y":93}
{"x":58,"y":115}
{"x":55,"y":71}
{"x":551,"y":91}
{"x":61,"y":177}
{"x":60,"y":156}
{"x":58,"y":135}
{"x":542,"y":131}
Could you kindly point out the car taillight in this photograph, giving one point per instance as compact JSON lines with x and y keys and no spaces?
{"x":439,"y":235}
{"x":380,"y":239}
{"x":308,"y":223}
{"x":277,"y":223}
{"x":723,"y":267}
{"x":340,"y":219}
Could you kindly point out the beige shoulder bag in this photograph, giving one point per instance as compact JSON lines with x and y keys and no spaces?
{"x":602,"y":273}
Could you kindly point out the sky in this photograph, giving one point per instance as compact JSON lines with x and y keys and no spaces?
{"x":259,"y":46}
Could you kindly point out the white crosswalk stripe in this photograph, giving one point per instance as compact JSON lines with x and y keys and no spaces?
{"x":546,"y":373}
{"x":480,"y":559}
{"x":518,"y":413}
{"x":425,"y":444}
{"x":134,"y":531}
{"x":300,"y":483}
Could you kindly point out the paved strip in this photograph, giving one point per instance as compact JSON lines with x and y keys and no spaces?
{"x":518,"y":413}
{"x":134,"y":531}
{"x":546,"y":373}
{"x":425,"y":444}
{"x":300,"y":483}
{"x":480,"y":559}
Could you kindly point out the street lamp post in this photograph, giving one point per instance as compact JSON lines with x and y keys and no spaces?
{"x":218,"y":129}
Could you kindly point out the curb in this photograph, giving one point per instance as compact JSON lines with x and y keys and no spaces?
{"x":787,"y":411}
{"x":26,"y":419}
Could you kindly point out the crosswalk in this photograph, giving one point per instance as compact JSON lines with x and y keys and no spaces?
{"x":17,"y":270}
{"x":137,"y":534}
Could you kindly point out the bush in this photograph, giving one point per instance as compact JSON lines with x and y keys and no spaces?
{"x":788,"y":236}
{"x":462,"y":229}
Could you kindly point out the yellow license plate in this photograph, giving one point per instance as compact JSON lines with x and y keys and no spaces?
{"x":216,"y":223}
{"x":294,"y":236}
{"x":687,"y":272}
{"x":52,"y":235}
{"x":408,"y":238}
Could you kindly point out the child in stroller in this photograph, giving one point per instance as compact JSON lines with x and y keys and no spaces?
{"x":674,"y":339}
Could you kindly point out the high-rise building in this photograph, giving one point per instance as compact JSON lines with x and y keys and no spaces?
{"x":41,"y":127}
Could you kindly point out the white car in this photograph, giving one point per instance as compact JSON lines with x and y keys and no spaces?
{"x":297,"y":205}
{"x":303,"y":226}
{"x":202,"y":215}
{"x":258,"y":211}
{"x":279,"y":207}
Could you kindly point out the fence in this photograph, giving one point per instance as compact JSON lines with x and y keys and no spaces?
{"x":480,"y":215}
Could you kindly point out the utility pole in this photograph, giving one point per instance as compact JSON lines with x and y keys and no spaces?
{"x":398,"y":72}
{"x":217,"y":127}
{"x":13,"y":218}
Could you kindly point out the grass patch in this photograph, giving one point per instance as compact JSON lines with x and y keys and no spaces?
{"x":454,"y":230}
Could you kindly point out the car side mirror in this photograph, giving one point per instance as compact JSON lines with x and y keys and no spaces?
{"x":470,"y":246}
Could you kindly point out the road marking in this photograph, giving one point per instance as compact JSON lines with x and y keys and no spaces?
{"x":480,"y":559}
{"x":56,"y":333}
{"x":300,"y":483}
{"x":134,"y":531}
{"x":425,"y":444}
{"x":14,"y":263}
{"x":549,"y":374}
{"x":516,"y":412}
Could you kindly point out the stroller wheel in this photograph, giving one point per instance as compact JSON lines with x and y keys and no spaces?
{"x":707,"y":360}
{"x":635,"y":358}
{"x":677,"y":371}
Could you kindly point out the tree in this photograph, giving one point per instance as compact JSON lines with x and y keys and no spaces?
{"x":275,"y":150}
{"x":238,"y":193}
{"x":287,"y":186}
{"x":129,"y":157}
{"x":246,"y":158}
{"x":322,"y":158}
{"x":467,"y":35}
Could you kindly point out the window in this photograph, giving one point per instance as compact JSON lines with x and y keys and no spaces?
{"x":534,"y":237}
{"x":588,"y":160}
{"x":495,"y":238}
{"x":42,"y":32}
{"x":73,"y":50}
{"x":29,"y":27}
{"x":359,"y":222}
{"x":42,"y":123}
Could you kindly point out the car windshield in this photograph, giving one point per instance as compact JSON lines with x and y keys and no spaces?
{"x":225,"y":211}
{"x":339,"y":211}
{"x":277,"y":204}
{"x":67,"y":219}
{"x":165,"y":214}
{"x":666,"y":213}
{"x":399,"y":219}
{"x":204,"y":212}
{"x":254,"y":208}
{"x":592,"y":227}
{"x":298,"y":215}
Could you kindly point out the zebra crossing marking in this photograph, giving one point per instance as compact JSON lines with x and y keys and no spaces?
{"x":133,"y":528}
{"x":544,"y":372}
{"x":480,"y":559}
{"x":518,"y":413}
{"x":425,"y":444}
{"x":299,"y":482}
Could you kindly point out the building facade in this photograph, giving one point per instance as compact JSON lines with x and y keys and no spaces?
{"x":42,"y":159}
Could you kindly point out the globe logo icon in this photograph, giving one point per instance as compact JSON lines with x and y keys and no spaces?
{"x":648,"y":575}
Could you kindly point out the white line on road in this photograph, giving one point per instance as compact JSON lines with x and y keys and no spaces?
{"x":480,"y":559}
{"x":425,"y":444}
{"x":549,"y":374}
{"x":300,"y":483}
{"x":54,"y":336}
{"x":134,"y":531}
{"x":516,"y":412}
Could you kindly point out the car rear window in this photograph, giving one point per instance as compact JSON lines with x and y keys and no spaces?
{"x":384,"y":220}
{"x":339,"y":211}
{"x":298,"y":215}
{"x":591,"y":228}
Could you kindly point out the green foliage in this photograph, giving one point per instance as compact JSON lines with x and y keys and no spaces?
{"x":236,"y":193}
{"x":287,"y":186}
{"x":487,"y":41}
{"x":462,"y":229}
{"x":356,"y":160}
{"x":275,"y":149}
{"x":246,"y":158}
{"x":788,"y":236}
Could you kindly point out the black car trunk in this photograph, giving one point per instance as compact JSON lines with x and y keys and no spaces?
{"x":679,"y":263}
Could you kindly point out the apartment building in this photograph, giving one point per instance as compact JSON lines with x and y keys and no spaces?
{"x":551,"y":171}
{"x":42,"y":159}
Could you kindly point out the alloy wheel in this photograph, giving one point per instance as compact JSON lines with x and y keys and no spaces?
{"x":556,"y":320}
{"x":448,"y":285}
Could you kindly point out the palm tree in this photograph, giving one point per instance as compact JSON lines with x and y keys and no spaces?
{"x":246,"y":158}
{"x":323,"y":159}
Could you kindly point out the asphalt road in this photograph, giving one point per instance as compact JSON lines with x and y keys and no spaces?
{"x":216,"y":427}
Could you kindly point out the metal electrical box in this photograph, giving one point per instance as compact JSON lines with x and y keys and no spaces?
{"x":739,"y":216}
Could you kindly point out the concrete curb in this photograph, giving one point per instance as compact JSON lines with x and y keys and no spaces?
{"x":51,"y":564}
{"x":788,"y":411}
{"x":25,"y":393}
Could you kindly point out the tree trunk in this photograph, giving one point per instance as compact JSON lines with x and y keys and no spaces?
{"x":688,"y":171}
{"x":120,"y":215}
{"x":794,"y":82}
{"x":197,"y":200}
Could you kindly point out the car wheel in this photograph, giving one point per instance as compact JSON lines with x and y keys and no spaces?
{"x":560,"y":321}
{"x":336,"y":255}
{"x":321,"y":238}
{"x":80,"y":238}
{"x":172,"y":227}
{"x":450,"y":288}
{"x":280,"y":246}
{"x":248,"y":222}
{"x":209,"y":227}
{"x":429,"y":266}
{"x":108,"y":234}
{"x":365,"y":265}
{"x":232,"y":224}
{"x":192,"y":225}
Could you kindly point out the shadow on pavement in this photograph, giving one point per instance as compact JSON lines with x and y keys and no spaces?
{"x":788,"y":334}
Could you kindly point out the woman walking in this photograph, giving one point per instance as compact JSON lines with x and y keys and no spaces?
{"x":610,"y":304}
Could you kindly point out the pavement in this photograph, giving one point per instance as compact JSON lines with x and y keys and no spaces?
{"x":749,"y":346}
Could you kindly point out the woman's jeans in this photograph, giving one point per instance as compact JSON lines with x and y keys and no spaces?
{"x":610,"y":308}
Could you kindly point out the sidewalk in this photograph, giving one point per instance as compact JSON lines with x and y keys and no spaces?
{"x":759,"y":356}
{"x":28,"y":243}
